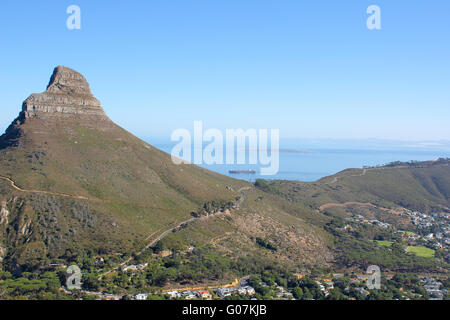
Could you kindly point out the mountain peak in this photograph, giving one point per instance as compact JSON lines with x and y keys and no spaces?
{"x":68,"y":93}
{"x":68,"y":81}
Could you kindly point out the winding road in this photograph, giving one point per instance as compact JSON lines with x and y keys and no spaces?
{"x":182,"y":224}
{"x":174,"y":229}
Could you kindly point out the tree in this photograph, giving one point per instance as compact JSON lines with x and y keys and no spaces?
{"x":307,"y":294}
{"x":336,"y":294}
{"x":158,"y":247}
{"x":298,"y":293}
{"x":91,"y":283}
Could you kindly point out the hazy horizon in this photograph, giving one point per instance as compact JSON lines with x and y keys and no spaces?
{"x":309,"y":160}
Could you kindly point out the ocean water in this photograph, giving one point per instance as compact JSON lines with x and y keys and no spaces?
{"x":310,"y":160}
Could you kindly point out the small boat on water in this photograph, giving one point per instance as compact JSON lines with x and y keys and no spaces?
{"x":250,"y":171}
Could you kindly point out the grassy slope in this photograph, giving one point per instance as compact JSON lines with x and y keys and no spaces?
{"x":135,"y":191}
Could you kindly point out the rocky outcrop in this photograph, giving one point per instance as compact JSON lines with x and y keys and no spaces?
{"x":68,"y":93}
{"x":4,"y":213}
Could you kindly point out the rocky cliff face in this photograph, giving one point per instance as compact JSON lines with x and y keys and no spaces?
{"x":68,"y":93}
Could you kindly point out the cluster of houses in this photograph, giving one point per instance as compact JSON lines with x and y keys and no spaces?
{"x":190,"y":295}
{"x":241,"y":290}
{"x":324,"y":289}
{"x":358,"y":281}
{"x":100,"y":295}
{"x":420,"y":220}
{"x":204,"y":294}
{"x":107,"y":296}
{"x":380,"y":224}
{"x":423,"y":220}
{"x":440,"y":239}
{"x":433,"y":288}
{"x":360,"y":218}
{"x":282,"y":294}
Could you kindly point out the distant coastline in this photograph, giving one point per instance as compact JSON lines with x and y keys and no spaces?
{"x":312,"y":160}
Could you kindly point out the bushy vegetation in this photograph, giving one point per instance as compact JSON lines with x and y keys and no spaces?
{"x":265,"y":186}
{"x":44,"y":286}
{"x":265,"y":244}
{"x":213,"y":207}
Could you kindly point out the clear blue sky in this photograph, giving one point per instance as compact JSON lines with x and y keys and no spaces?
{"x":310,"y":68}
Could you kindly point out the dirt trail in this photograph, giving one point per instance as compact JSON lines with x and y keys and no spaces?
{"x":346,"y":204}
{"x":66,"y":195}
{"x":335,"y":179}
{"x":398,"y":210}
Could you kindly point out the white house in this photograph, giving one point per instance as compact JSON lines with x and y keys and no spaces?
{"x":140,"y":296}
{"x":174,"y":294}
{"x":223,"y":292}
